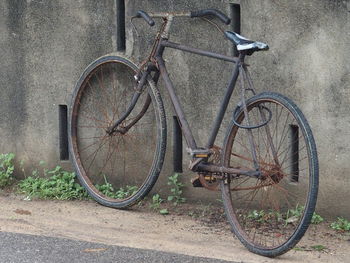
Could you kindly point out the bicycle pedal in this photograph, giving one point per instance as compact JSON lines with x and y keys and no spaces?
{"x":209,"y":178}
{"x":196,"y":182}
{"x":199,"y":153}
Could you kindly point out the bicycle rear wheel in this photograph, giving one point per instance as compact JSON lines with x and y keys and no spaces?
{"x":117,"y":169}
{"x":271,"y":213}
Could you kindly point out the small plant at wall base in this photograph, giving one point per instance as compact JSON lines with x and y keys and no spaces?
{"x":108,"y":190}
{"x":125,"y":192}
{"x":6,"y":169}
{"x":58,"y":184}
{"x":316,"y":219}
{"x":176,"y":189}
{"x":295,"y":214}
{"x":156,"y":201}
{"x":155,"y":204}
{"x":289,"y":217}
{"x":341,"y":224}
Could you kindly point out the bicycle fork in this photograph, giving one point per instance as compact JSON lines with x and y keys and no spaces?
{"x":138,"y":91}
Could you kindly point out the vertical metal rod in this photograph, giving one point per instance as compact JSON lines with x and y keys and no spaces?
{"x":177,"y":106}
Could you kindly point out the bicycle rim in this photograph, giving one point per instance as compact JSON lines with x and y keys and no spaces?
{"x":117,"y":169}
{"x":270,"y":214}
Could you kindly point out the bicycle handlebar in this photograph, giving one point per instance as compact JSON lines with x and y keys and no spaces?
{"x":200,"y":13}
{"x":214,"y":12}
{"x":145,"y":16}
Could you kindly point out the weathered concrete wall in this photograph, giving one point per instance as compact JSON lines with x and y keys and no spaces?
{"x":45,"y":45}
{"x":310,"y":62}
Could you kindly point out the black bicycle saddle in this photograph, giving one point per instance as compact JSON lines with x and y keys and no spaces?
{"x":243,"y":43}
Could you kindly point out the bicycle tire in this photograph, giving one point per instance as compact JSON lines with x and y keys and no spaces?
{"x":117,"y":170}
{"x":269,"y":215}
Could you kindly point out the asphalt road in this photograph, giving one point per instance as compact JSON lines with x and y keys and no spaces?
{"x":21,"y":248}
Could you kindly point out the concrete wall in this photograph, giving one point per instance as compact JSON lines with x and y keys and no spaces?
{"x":45,"y":45}
{"x":309,"y":61}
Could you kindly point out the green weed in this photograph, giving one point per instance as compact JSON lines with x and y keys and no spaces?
{"x":316,"y":219}
{"x":299,"y":248}
{"x":155,"y":204}
{"x":108,"y":190}
{"x":126,"y":192}
{"x":294,"y":215}
{"x":57,"y":184}
{"x":176,"y":189}
{"x":164,"y":211}
{"x":319,"y":247}
{"x":6,"y":169}
{"x":156,"y":201}
{"x":289,"y":217}
{"x":264,"y":216}
{"x":256,"y":215}
{"x":311,"y":248}
{"x":341,"y":224}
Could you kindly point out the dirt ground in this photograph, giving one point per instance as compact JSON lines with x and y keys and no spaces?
{"x":188,"y":229}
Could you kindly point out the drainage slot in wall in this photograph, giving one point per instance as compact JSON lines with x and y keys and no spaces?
{"x":121,"y":41}
{"x":63,"y":132}
{"x":177,"y":145}
{"x":235,"y":22}
{"x":294,"y":152}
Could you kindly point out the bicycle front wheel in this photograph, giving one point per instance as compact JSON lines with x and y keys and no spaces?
{"x":120,"y":168}
{"x":270,"y":213}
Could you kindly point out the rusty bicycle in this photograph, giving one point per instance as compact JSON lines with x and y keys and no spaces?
{"x":267,"y":168}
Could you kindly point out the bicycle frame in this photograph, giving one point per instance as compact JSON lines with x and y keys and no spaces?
{"x":239,"y":61}
{"x":156,"y":64}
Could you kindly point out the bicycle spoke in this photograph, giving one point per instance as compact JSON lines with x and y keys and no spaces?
{"x":101,"y":110}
